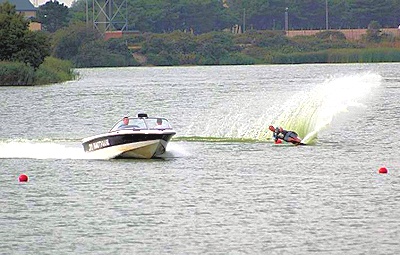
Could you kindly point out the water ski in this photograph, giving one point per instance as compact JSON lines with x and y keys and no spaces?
{"x":284,"y":143}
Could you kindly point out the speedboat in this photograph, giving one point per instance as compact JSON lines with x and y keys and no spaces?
{"x":132,"y":137}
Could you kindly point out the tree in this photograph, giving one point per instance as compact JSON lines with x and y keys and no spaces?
{"x":36,"y":49}
{"x":77,"y":11}
{"x":374,"y":32}
{"x":53,"y":16}
{"x":17,"y":43}
{"x":214,"y":46}
{"x":68,"y":41}
{"x":161,"y":16}
{"x":201,"y":16}
{"x":12,"y":30}
{"x":85,"y":47}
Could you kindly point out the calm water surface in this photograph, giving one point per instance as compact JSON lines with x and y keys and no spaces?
{"x":223,"y":187}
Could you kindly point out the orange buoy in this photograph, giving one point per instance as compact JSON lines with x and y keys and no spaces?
{"x":23,"y":178}
{"x":383,"y":170}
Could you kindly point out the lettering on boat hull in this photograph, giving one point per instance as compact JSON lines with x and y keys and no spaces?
{"x":98,"y":145}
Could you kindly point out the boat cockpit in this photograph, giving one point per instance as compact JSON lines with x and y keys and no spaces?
{"x":142,"y":122}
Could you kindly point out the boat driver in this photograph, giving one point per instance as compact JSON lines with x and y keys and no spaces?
{"x":125,"y":122}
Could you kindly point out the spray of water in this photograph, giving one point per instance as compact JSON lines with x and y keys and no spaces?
{"x":176,"y":150}
{"x":309,"y":112}
{"x":245,"y":117}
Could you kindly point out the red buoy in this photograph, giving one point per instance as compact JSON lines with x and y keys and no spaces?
{"x":383,"y":170}
{"x":23,"y":178}
{"x":278,"y":141}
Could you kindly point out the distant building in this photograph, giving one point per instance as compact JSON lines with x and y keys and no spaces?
{"x":23,"y":6}
{"x":26,"y":8}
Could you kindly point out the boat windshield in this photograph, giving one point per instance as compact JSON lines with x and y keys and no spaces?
{"x":142,"y":123}
{"x":157,"y":123}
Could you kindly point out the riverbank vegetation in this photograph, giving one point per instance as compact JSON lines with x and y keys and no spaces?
{"x":206,"y":33}
{"x":225,"y":48}
{"x":260,"y":47}
{"x":24,"y":54}
{"x":52,"y":70}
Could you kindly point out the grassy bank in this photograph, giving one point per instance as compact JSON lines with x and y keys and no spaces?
{"x":367,"y":55}
{"x":259,"y":47}
{"x":52,"y":70}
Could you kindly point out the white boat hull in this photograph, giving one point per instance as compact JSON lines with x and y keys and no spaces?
{"x":139,"y":150}
{"x":143,"y":140}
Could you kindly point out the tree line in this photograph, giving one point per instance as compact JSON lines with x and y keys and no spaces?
{"x":203,"y":16}
{"x":162,"y":41}
{"x":311,"y":14}
{"x":213,"y":15}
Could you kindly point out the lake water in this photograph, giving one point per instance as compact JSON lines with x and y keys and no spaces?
{"x":223,"y":186}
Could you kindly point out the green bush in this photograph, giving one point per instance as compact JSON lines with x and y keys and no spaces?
{"x":331,"y":35}
{"x":260,"y":37}
{"x":237,"y":59}
{"x":16,"y":73}
{"x":261,"y":55}
{"x":45,"y":75}
{"x":161,"y":59}
{"x":188,"y":59}
{"x":54,"y":70}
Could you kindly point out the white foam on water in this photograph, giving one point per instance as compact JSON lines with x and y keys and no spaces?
{"x":176,"y":150}
{"x":40,"y":150}
{"x":53,"y":150}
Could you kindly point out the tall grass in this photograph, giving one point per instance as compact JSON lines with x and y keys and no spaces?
{"x":367,"y":55}
{"x":54,"y":70}
{"x":15,"y":73}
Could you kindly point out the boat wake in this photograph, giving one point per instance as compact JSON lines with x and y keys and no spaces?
{"x":176,"y":150}
{"x":214,"y":139}
{"x":55,"y":150}
{"x":40,"y":150}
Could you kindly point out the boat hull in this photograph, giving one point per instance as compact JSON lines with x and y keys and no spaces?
{"x":128,"y":144}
